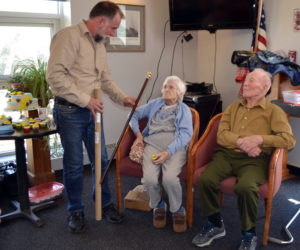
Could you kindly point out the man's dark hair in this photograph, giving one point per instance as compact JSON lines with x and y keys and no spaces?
{"x":107,"y":9}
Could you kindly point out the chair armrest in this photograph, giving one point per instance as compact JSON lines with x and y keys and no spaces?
{"x":275,"y":170}
{"x":203,"y":149}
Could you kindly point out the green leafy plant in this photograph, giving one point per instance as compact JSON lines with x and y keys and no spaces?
{"x":15,"y":81}
{"x":35,"y":75}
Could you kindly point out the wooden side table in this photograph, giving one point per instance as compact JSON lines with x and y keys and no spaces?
{"x":38,"y":157}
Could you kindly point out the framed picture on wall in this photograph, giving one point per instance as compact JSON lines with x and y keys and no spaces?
{"x":296,"y":20}
{"x":130,"y":36}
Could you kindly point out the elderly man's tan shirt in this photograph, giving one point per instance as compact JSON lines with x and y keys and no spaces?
{"x":265,"y":119}
{"x":78,"y":65}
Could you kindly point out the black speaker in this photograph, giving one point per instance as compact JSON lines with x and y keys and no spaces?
{"x":207,"y":106}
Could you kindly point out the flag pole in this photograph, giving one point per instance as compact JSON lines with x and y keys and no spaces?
{"x":98,"y":195}
{"x":260,"y":3}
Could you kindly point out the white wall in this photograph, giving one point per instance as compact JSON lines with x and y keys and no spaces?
{"x":130,"y":68}
{"x":223,"y":43}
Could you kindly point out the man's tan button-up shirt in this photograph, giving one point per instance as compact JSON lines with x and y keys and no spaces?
{"x":265,"y":119}
{"x":78,"y":65}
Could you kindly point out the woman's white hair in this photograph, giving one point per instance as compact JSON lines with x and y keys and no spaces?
{"x":181,"y":85}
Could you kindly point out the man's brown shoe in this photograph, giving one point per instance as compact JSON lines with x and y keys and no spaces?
{"x":179,"y":222}
{"x":159,"y":217}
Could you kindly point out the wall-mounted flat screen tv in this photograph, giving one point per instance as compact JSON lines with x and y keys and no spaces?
{"x":212,"y":14}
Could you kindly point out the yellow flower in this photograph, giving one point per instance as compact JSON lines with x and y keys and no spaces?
{"x":35,"y":125}
{"x":22,"y":106}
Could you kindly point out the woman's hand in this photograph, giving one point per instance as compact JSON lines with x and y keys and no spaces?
{"x":161,"y":157}
{"x":139,"y":139}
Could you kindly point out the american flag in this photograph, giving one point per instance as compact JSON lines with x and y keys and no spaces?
{"x":262,"y":36}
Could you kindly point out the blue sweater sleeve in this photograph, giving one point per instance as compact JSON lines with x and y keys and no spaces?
{"x":142,"y":112}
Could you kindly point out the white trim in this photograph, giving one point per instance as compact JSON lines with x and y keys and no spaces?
{"x":31,"y":19}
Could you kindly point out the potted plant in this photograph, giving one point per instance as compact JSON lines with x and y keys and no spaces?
{"x":35,"y":75}
{"x":15,"y":82}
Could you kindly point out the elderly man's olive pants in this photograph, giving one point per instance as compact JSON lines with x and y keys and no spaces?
{"x":250,"y":173}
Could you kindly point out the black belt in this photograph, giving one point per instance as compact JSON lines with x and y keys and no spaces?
{"x":61,"y":101}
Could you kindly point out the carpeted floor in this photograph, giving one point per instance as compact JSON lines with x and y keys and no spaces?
{"x":137,"y":232}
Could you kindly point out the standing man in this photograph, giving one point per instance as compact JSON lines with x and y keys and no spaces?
{"x":77,"y":65}
{"x":247,"y":132}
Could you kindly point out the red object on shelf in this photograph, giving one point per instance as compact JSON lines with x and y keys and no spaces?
{"x":292,"y":54}
{"x":45,"y":191}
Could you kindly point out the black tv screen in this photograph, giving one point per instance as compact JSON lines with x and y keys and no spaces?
{"x":212,"y":14}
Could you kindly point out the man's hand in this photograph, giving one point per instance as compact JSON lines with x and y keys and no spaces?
{"x":250,"y":144}
{"x":129,"y":101}
{"x":161,"y":157}
{"x":95,"y":105}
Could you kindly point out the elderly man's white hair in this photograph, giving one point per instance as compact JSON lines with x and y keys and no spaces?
{"x":266,"y":76}
{"x":181,"y":85}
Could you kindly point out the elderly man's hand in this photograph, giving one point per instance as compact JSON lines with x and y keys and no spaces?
{"x":161,"y":157}
{"x":254,"y":152}
{"x":250,"y":144}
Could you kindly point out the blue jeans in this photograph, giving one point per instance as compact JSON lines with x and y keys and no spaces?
{"x":76,"y":125}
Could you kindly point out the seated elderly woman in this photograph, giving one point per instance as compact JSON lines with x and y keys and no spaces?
{"x":166,"y":138}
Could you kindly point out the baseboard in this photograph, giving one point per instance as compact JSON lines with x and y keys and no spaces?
{"x":57,"y":164}
{"x":294,"y":170}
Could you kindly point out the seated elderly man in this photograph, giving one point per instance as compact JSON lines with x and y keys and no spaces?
{"x":248,"y":131}
{"x":166,"y":138}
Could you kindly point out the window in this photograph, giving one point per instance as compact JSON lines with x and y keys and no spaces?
{"x":26,"y":28}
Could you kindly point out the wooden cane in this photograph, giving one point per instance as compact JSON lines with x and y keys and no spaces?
{"x":98,"y":195}
{"x":126,"y":124}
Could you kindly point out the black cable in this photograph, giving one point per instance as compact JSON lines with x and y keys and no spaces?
{"x":157,"y":69}
{"x":215,"y":63}
{"x":182,"y":60}
{"x":171,"y":72}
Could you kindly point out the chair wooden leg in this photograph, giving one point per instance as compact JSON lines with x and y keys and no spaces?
{"x":189,"y":206}
{"x":221,"y":199}
{"x":119,"y":194}
{"x":268,"y":205}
